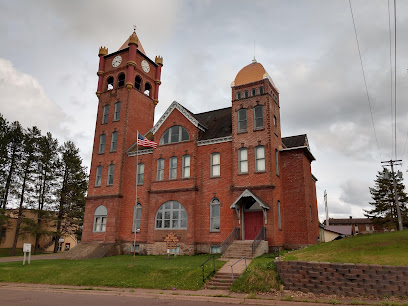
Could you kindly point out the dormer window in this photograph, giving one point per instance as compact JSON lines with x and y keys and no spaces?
{"x":110,"y":83}
{"x":121,"y":80}
{"x":174,"y":134}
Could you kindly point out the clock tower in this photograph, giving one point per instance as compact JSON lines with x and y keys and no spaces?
{"x":128,"y":89}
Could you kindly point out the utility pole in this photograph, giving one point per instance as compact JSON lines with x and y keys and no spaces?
{"x":326,"y":208}
{"x":391,"y":163}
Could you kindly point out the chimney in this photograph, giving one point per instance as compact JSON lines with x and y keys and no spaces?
{"x":351,"y":217}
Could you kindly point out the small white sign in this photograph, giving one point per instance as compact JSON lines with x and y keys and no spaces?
{"x":27,"y":248}
{"x":61,"y":240}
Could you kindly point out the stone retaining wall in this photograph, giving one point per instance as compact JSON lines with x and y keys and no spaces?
{"x":344,"y":279}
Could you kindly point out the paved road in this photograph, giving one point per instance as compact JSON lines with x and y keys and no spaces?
{"x":25,"y":294}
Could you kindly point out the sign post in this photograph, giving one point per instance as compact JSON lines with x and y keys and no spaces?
{"x":172,"y":242}
{"x":27,"y":249}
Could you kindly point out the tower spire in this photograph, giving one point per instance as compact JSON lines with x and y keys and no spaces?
{"x":254,"y":59}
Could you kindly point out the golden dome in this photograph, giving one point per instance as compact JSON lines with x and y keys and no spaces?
{"x":252,"y":73}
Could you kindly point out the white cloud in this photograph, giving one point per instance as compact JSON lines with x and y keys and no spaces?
{"x":24,"y":99}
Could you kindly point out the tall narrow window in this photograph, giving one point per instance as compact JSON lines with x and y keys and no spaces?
{"x":160,"y":169}
{"x":173,"y":168}
{"x":259,"y":158}
{"x":277,"y":161}
{"x":138,"y":82}
{"x":186,"y":166}
{"x":111,"y":172}
{"x":274,"y":120}
{"x":102,"y":143}
{"x":110,"y":83}
{"x":261,"y":90}
{"x":242,"y":120}
{"x":147,"y":90}
{"x":243,"y":160}
{"x":246,"y":94}
{"x":279,"y":216}
{"x":100,"y":215}
{"x":121,"y":80}
{"x":105,"y":114}
{"x":215,"y":164}
{"x":238,"y":95}
{"x":137,"y":216}
{"x":114,"y":141}
{"x":98,"y":178}
{"x":140,"y":173}
{"x":116,"y":115}
{"x":253,"y":92}
{"x":215,"y":215}
{"x":258,"y":117}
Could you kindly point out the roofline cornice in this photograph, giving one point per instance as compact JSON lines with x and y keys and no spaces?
{"x":299,"y":148}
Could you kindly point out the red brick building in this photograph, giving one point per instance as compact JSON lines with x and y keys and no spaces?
{"x":210,"y":173}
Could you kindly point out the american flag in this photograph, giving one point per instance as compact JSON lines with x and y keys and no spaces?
{"x":144,"y":142}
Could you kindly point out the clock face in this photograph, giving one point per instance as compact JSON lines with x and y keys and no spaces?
{"x":145,"y":66}
{"x":116,"y":61}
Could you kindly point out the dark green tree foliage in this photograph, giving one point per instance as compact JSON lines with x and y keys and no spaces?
{"x":384,"y":211}
{"x":72,"y":190}
{"x":25,"y":170}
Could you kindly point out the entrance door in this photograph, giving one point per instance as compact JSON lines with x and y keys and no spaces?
{"x":253,"y":221}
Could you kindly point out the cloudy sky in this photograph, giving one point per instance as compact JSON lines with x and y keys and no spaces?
{"x":49,"y":59}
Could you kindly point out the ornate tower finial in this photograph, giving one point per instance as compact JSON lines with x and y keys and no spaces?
{"x":159,"y":60}
{"x":103,"y":51}
{"x":133,"y":39}
{"x":254,"y":59}
{"x":134,"y":28}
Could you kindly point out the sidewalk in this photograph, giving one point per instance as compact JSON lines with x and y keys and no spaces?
{"x":33,"y":257}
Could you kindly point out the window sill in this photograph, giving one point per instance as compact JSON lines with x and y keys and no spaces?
{"x":246,"y":173}
{"x":109,"y":185}
{"x":260,"y":172}
{"x":99,"y":186}
{"x":170,"y":229}
{"x":259,"y":129}
{"x":139,"y":184}
{"x":242,"y":132}
{"x":138,"y":231}
{"x":215,"y":231}
{"x":99,"y":153}
{"x":112,"y":151}
{"x":215,"y":176}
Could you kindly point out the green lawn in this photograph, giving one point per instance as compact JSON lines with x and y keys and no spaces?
{"x":6,"y":252}
{"x":261,"y":276}
{"x":382,"y":249}
{"x":182,"y":272}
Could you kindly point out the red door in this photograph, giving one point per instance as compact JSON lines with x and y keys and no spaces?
{"x":253,"y":222}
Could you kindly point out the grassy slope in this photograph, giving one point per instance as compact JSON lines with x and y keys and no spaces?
{"x":381,"y":249}
{"x":183,"y":272}
{"x":261,"y":276}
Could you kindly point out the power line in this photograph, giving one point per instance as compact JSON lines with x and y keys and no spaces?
{"x":395,"y":78}
{"x":365,"y":82}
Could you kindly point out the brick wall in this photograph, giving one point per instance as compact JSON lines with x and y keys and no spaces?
{"x":344,"y":279}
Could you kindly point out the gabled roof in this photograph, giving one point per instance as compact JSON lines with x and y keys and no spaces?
{"x":189,"y":115}
{"x":218,"y":122}
{"x":247,"y":194}
{"x":340,"y":229}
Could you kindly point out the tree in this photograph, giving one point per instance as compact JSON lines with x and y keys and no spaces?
{"x":384,"y":213}
{"x":71,"y":193}
{"x":26,"y":171}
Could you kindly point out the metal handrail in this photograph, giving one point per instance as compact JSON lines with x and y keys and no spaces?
{"x":232,"y":270}
{"x":212,"y":272}
{"x":261,"y":236}
{"x":234,"y":235}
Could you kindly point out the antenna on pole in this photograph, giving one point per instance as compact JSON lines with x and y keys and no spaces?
{"x":254,"y":60}
{"x":326,"y":208}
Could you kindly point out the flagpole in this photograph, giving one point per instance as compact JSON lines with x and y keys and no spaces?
{"x":135,"y":211}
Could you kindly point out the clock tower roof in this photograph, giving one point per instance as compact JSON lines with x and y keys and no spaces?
{"x":133,"y":37}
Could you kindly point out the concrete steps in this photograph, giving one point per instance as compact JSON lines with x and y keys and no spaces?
{"x":221,"y":280}
{"x":239,"y":249}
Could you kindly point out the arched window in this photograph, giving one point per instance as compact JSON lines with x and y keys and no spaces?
{"x":102,"y":139}
{"x":215,"y":215}
{"x":238,"y":95}
{"x":174,"y":134}
{"x":261,"y":90}
{"x":137,"y":216}
{"x":110,"y":83}
{"x":171,"y":215}
{"x":138,"y":82}
{"x":246,"y":94}
{"x":147,"y":89}
{"x":100,"y":216}
{"x":253,"y":92}
{"x":121,"y":80}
